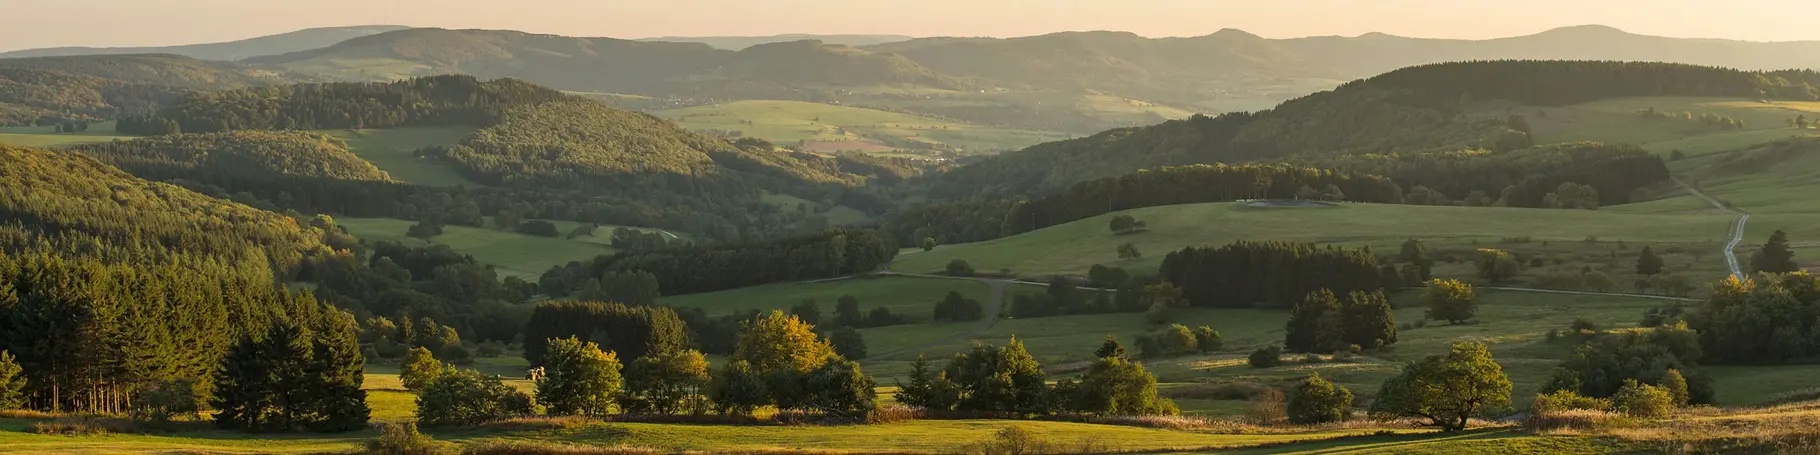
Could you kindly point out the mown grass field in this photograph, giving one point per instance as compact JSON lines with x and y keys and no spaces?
{"x":831,"y":128}
{"x":394,"y":150}
{"x":46,"y":136}
{"x":1072,"y":248}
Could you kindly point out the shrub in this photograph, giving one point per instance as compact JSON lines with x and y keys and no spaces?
{"x":959,"y":267}
{"x":1267,"y":408}
{"x":466,"y":398}
{"x":1207,"y":339}
{"x":1311,"y":359}
{"x":1643,"y":400}
{"x":1176,"y":340}
{"x":83,"y":425}
{"x":1012,"y":440}
{"x":402,"y":439}
{"x":1317,"y":401}
{"x":1266,"y":357}
{"x":1584,"y":326}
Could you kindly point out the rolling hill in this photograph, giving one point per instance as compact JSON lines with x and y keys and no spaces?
{"x":734,"y":43}
{"x":251,"y":154}
{"x":820,"y":127}
{"x":226,"y":51}
{"x":94,"y":88}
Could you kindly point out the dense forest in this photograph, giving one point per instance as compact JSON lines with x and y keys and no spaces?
{"x":46,"y":90}
{"x":430,"y":101}
{"x":237,"y":155}
{"x":1517,"y":178}
{"x":1268,"y":274}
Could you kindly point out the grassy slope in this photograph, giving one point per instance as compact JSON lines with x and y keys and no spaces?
{"x":1074,"y":247}
{"x":787,"y":122}
{"x":393,"y":150}
{"x":838,"y":215}
{"x":43,"y":136}
{"x":513,"y":254}
{"x":1615,"y":120}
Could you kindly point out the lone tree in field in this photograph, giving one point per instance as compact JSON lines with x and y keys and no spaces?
{"x":1775,"y":256}
{"x":1317,"y":401}
{"x":581,"y":379}
{"x":929,"y":243}
{"x":1445,"y":389}
{"x":1648,"y":263}
{"x":1129,"y":251}
{"x":1453,"y":301}
{"x":1126,"y":224}
{"x":1116,"y":386}
{"x":959,"y":267}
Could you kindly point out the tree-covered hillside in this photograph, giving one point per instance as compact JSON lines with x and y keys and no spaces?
{"x":1416,"y":110}
{"x":242,"y":154}
{"x":431,"y":101}
{"x":43,"y":91}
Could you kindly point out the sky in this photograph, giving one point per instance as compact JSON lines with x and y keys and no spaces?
{"x":31,"y":24}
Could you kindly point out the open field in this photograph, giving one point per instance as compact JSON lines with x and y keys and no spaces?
{"x":1615,"y":120}
{"x":1774,"y":182}
{"x":45,"y":136}
{"x":1074,"y":247}
{"x":394,"y":150}
{"x":836,"y":215}
{"x":823,"y":127}
{"x":511,"y":253}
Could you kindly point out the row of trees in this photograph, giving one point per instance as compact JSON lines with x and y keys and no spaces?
{"x":1007,"y":381}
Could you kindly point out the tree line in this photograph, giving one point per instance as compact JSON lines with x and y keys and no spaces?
{"x":707,"y":268}
{"x":1276,"y":274}
{"x":426,"y":101}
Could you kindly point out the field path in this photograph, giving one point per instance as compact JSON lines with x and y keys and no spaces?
{"x":1731,"y":258}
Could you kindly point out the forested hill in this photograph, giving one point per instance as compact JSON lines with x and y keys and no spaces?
{"x":1419,"y":109}
{"x":52,"y":89}
{"x":72,"y":205}
{"x":607,"y":64}
{"x":442,"y":100}
{"x":243,"y":154}
{"x":227,"y":51}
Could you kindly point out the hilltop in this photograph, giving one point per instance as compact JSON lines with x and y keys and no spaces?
{"x":247,"y":154}
{"x":226,"y":51}
{"x":734,"y":43}
{"x":92,"y":88}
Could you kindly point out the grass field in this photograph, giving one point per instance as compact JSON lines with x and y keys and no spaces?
{"x":1074,"y":247}
{"x":837,"y":215}
{"x":1615,"y":120}
{"x":831,"y":128}
{"x":1774,"y":182}
{"x":45,"y":136}
{"x":512,"y":254}
{"x":394,"y":151}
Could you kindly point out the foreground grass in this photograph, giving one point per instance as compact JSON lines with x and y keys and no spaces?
{"x":393,"y":150}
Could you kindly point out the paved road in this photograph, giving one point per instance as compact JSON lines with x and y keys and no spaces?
{"x":1731,"y":258}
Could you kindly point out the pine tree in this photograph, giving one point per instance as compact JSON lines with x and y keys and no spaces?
{"x":1110,"y":348}
{"x":1312,"y":324}
{"x":12,"y":383}
{"x":1368,"y":321}
{"x":1775,"y":257}
{"x":1648,"y":263}
{"x":337,"y":370}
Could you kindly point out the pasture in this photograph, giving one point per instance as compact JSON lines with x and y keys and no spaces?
{"x":831,"y":128}
{"x":46,"y":136}
{"x":1074,"y":247}
{"x":510,"y":253}
{"x":1616,"y":120}
{"x":394,"y":150}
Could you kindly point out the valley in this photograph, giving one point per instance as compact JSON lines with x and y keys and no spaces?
{"x":421,"y":241}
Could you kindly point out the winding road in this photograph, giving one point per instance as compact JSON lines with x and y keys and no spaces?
{"x":1731,"y":257}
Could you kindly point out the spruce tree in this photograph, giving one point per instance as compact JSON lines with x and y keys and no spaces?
{"x":337,"y":370}
{"x":1776,"y":257}
{"x":1367,"y":320}
{"x":1648,"y":264}
{"x":12,"y":383}
{"x":1311,"y":324}
{"x":1110,"y":348}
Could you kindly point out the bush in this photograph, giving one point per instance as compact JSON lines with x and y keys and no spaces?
{"x":420,"y":368}
{"x":1311,"y":359}
{"x":1266,"y":357}
{"x":83,"y":425}
{"x":1208,"y":339}
{"x":1266,"y":408}
{"x":1643,"y":400}
{"x":959,"y":267}
{"x":466,"y":398}
{"x":402,"y":439}
{"x":539,"y":228}
{"x":1317,"y":401}
{"x":1011,"y":441}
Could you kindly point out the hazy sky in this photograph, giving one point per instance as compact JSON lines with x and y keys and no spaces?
{"x":30,"y":23}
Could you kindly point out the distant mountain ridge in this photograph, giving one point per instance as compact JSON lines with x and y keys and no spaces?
{"x":734,"y":43}
{"x":227,"y":51}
